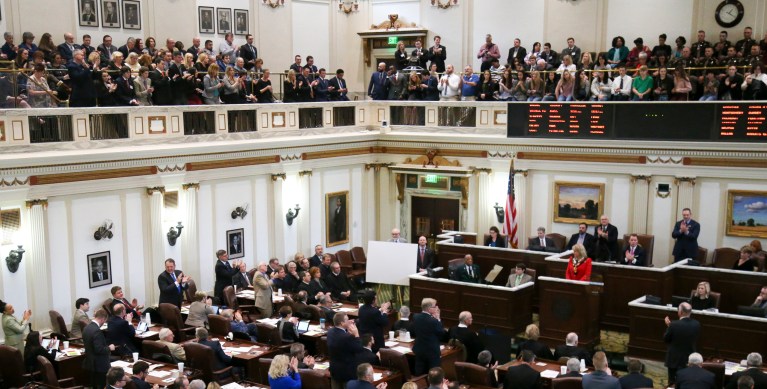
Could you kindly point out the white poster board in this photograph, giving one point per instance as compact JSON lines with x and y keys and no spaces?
{"x":391,"y":263}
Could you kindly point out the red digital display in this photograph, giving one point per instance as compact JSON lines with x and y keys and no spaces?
{"x":571,"y":119}
{"x":742,"y":121}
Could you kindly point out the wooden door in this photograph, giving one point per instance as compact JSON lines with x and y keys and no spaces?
{"x":430,"y":215}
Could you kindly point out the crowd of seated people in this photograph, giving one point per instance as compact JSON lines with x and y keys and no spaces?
{"x":140,"y":73}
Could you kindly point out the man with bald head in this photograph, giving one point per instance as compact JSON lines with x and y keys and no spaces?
{"x":682,"y":338}
{"x":377,"y":88}
{"x":395,"y":236}
{"x":263,"y":287}
{"x":67,"y":48}
{"x":607,"y":240}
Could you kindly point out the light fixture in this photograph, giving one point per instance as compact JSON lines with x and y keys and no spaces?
{"x":348,"y":6}
{"x":105,"y":231}
{"x":499,"y":212}
{"x":174,"y":233}
{"x":240,"y":212}
{"x":447,"y":4}
{"x":274,"y":3}
{"x":291,"y":215}
{"x":14,"y":259}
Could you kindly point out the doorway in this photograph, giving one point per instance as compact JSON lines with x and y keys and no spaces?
{"x":430,"y":215}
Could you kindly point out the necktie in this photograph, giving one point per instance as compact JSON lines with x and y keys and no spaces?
{"x":471,"y":273}
{"x":519,"y":279}
{"x":580,"y":239}
{"x":444,"y":91}
{"x":621,"y":85}
{"x":245,"y":276}
{"x":173,"y":275}
{"x":100,"y":276}
{"x":543,"y":242}
{"x":251,"y":50}
{"x":421,"y":254}
{"x":341,"y":83}
{"x":632,"y":250}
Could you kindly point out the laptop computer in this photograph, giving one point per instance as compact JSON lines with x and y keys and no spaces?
{"x":303,"y":326}
{"x":142,"y":327}
{"x":215,"y":309}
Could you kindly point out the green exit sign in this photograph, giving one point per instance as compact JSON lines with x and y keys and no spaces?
{"x":393,"y":40}
{"x":432,"y":179}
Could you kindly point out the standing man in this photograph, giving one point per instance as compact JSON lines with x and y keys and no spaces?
{"x":395,"y":84}
{"x":420,"y":54}
{"x":337,"y":87}
{"x":121,"y":332}
{"x":467,"y":336}
{"x":248,"y":52}
{"x":82,"y":306}
{"x":172,"y":283}
{"x":686,"y":234}
{"x":377,"y":85}
{"x":428,"y":333}
{"x":224,"y":274}
{"x":607,"y":240}
{"x":602,"y":377}
{"x":425,"y":257}
{"x":633,"y":254}
{"x":469,"y":85}
{"x":395,"y":236}
{"x":582,"y":237}
{"x":487,"y":52}
{"x":372,"y":319}
{"x":517,"y":51}
{"x":438,"y":54}
{"x":682,"y":338}
{"x":96,"y":361}
{"x":263,"y":287}
{"x":449,"y":87}
{"x":343,"y":347}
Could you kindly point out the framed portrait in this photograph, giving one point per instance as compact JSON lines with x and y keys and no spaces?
{"x":240,"y":22}
{"x":89,"y":13}
{"x":110,"y":14}
{"x":336,"y":218}
{"x":205,"y":15}
{"x":235,"y":245}
{"x":132,"y":14}
{"x":224,"y":20}
{"x":99,"y":269}
{"x":576,"y":202}
{"x":747,"y":213}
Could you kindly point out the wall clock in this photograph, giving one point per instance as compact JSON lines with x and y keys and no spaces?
{"x":729,"y":13}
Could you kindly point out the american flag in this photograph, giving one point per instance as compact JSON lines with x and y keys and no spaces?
{"x":510,"y":221}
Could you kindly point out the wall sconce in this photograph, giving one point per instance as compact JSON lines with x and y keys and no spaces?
{"x":499,"y":212}
{"x":14,"y":259}
{"x":240,"y":212}
{"x":348,"y":6}
{"x":174,"y":233}
{"x":290,"y":215}
{"x":446,"y":5}
{"x":663,"y":190}
{"x":105,"y":231}
{"x":275,"y":3}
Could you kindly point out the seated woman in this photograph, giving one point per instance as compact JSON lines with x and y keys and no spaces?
{"x":199,"y":310}
{"x":579,"y":265}
{"x":34,"y":348}
{"x":494,"y":240}
{"x":700,"y":299}
{"x":541,"y":350}
{"x":618,"y":53}
{"x":759,"y":254}
{"x":567,"y":64}
{"x":745,"y":262}
{"x":283,"y":373}
{"x":601,"y":87}
{"x":288,"y":325}
{"x":565,"y":87}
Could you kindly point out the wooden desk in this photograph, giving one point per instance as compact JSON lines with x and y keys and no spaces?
{"x":722,"y":335}
{"x":249,"y":359}
{"x":393,"y":378}
{"x":448,"y":355}
{"x":569,"y":306}
{"x":508,"y":310}
{"x":539,"y":365}
{"x":162,"y":374}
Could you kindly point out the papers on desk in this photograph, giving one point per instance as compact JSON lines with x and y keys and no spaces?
{"x":540,"y":364}
{"x":184,"y":310}
{"x":321,"y":365}
{"x":248,"y":294}
{"x":238,"y":349}
{"x":313,"y":333}
{"x":391,"y":343}
{"x":403,"y":340}
{"x":269,"y":321}
{"x":401,"y":350}
{"x":147,"y":334}
{"x":155,"y":366}
{"x":549,"y":373}
{"x":159,"y":373}
{"x":123,"y":364}
{"x":377,"y":376}
{"x":68,"y":352}
{"x":731,"y":368}
{"x":345,"y":310}
{"x":441,"y":347}
{"x":235,"y":385}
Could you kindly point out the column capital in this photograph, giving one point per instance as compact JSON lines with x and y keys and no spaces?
{"x":480,"y":170}
{"x":639,"y":177}
{"x":377,"y":166}
{"x":193,"y":185}
{"x":679,"y":180}
{"x":279,"y":175}
{"x":523,"y":172}
{"x":32,"y":203}
{"x":156,"y":189}
{"x":305,"y":173}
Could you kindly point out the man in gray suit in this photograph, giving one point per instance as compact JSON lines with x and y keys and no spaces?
{"x":81,"y":316}
{"x":263,"y":287}
{"x":397,"y":82}
{"x":395,"y":237}
{"x":541,"y":242}
{"x":518,"y":277}
{"x":601,"y":378}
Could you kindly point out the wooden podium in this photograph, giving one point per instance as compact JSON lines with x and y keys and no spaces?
{"x":569,"y":306}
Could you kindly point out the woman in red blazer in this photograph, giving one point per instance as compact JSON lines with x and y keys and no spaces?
{"x":579,"y":265}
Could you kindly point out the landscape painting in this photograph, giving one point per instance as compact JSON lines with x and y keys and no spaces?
{"x":747,"y":213}
{"x":576,"y":202}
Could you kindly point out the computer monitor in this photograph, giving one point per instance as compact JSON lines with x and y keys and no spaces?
{"x":747,"y":310}
{"x":303,"y":326}
{"x":652,"y":300}
{"x":676,"y":300}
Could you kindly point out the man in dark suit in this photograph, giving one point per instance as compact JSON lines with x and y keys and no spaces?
{"x":97,"y":351}
{"x":241,"y":279}
{"x":339,"y":220}
{"x":523,"y":376}
{"x":365,"y":378}
{"x":377,"y":85}
{"x":338,"y":283}
{"x":428,"y":333}
{"x":316,"y":259}
{"x":220,"y":359}
{"x":301,"y":307}
{"x":172,"y":284}
{"x":469,"y":272}
{"x":396,"y":84}
{"x":694,"y":376}
{"x":343,"y":347}
{"x":163,"y":94}
{"x":140,"y":372}
{"x":573,"y":369}
{"x":754,"y":370}
{"x":468,"y":338}
{"x":602,"y":377}
{"x":404,"y":323}
{"x":368,"y":355}
{"x":67,"y":48}
{"x":326,"y":311}
{"x":372,"y":318}
{"x":120,"y":332}
{"x":110,"y":12}
{"x":425,"y":255}
{"x":421,"y":55}
{"x":635,"y":379}
{"x":516,"y":51}
{"x":127,"y":48}
{"x":337,"y":87}
{"x":607,"y":240}
{"x":541,"y":242}
{"x":634,"y":254}
{"x":584,"y":238}
{"x":88,"y":13}
{"x":438,"y":54}
{"x":248,"y":52}
{"x":686,"y":234}
{"x":571,"y":349}
{"x":81,"y":79}
{"x":98,"y":273}
{"x":681,"y":337}
{"x":224,"y":273}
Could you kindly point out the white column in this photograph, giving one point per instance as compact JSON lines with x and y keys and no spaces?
{"x":520,"y":190}
{"x":685,"y":190}
{"x":154,"y":264}
{"x":304,"y":235}
{"x":190,"y":240}
{"x":485,"y":210}
{"x":388,"y":207}
{"x":279,"y":216}
{"x":37,"y":270}
{"x":641,"y":187}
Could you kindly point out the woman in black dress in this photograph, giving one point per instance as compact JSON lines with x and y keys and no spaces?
{"x":34,"y":348}
{"x":700,"y":298}
{"x":745,"y":262}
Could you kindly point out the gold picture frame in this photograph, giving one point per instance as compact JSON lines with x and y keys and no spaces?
{"x":746,"y":213}
{"x":587,"y":197}
{"x":336,"y":218}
